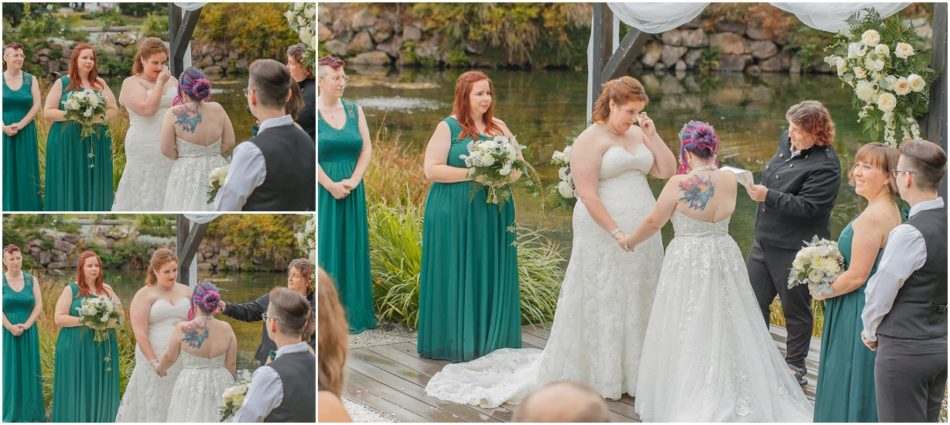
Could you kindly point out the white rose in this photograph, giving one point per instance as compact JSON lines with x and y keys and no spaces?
{"x":815,"y":275}
{"x":917,"y":82}
{"x":865,"y":91}
{"x":565,"y":189}
{"x":94,"y":101}
{"x":882,"y":50}
{"x":902,"y":86}
{"x":870,"y":38}
{"x":890,"y":80}
{"x":860,"y":73}
{"x":88,"y":113}
{"x":903,"y":50}
{"x":562,"y":173}
{"x":856,"y":50}
{"x":886,"y":102}
{"x":72,"y":105}
{"x":873,"y":64}
{"x":305,"y":34}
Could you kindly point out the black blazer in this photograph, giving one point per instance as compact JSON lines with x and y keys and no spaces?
{"x":802,"y":192}
{"x":252,"y":312}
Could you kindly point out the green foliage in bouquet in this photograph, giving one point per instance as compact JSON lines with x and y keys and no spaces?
{"x":882,"y":61}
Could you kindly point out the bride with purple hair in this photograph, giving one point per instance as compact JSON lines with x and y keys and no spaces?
{"x":208,"y":351}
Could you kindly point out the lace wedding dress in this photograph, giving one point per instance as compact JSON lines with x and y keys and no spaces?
{"x":147,"y":395}
{"x":198,"y":392}
{"x":602,"y":310}
{"x":706,"y":356}
{"x":142,"y":187}
{"x":189,"y":179}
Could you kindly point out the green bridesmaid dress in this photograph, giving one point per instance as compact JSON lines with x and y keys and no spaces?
{"x":468,"y":296}
{"x":344,"y":236}
{"x":22,"y":377}
{"x":21,"y":164}
{"x":78,"y":170}
{"x":86,"y":382}
{"x":845,"y":390}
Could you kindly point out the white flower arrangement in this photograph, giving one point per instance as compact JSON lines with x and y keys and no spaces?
{"x":234,"y":399}
{"x":307,"y":238}
{"x":491,"y":163}
{"x":99,"y":314}
{"x":565,"y":185}
{"x":889,"y":80}
{"x":216,"y":180}
{"x":302,"y":18}
{"x":817,"y":265}
{"x":84,"y":107}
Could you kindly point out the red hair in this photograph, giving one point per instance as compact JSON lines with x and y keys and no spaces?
{"x":75,"y":82}
{"x":462,"y":109}
{"x":81,"y":277}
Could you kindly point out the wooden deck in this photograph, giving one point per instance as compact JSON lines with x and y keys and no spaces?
{"x":392,"y":378}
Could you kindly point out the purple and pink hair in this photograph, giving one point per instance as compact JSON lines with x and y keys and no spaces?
{"x":194,"y":85}
{"x":206,"y":297}
{"x":333,"y":62}
{"x":700,"y":139}
{"x":10,"y":249}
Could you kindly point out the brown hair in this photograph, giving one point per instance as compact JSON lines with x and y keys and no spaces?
{"x":292,"y":311}
{"x":928,"y":159}
{"x":332,"y":335}
{"x":160,"y":257}
{"x":880,"y":156}
{"x":621,"y":90}
{"x":296,"y":51}
{"x":147,"y":48}
{"x":303,"y":266}
{"x":75,"y":82}
{"x":99,"y":284}
{"x":271,"y":80}
{"x":813,"y":118}
{"x":462,"y":109}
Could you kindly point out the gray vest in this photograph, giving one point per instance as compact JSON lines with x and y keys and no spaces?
{"x":291,"y":160}
{"x":298,"y":372}
{"x":920,"y":309}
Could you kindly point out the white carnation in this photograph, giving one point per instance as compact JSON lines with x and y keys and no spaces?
{"x":886,"y":102}
{"x":873,"y":64}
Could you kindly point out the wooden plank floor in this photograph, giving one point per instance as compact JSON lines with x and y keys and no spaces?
{"x":391,"y":379}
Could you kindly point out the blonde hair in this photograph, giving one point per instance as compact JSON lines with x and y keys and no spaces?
{"x":880,"y":156}
{"x":621,"y":90}
{"x":332,"y":335}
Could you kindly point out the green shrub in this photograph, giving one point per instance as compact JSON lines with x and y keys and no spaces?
{"x":264,"y":32}
{"x":162,"y":225}
{"x":155,"y":25}
{"x":269,"y":237}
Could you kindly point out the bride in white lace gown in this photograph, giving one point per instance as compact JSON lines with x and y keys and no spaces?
{"x":155,"y":310}
{"x":706,"y":356}
{"x":208,"y":351}
{"x":146,"y":95}
{"x":195,"y":134}
{"x":606,"y":294}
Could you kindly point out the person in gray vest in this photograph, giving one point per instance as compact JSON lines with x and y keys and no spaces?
{"x":905,"y":316}
{"x":276,"y":170}
{"x":284,"y":390}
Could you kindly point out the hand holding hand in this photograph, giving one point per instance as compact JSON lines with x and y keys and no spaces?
{"x":9,"y":130}
{"x":338,"y":190}
{"x":757,"y":192}
{"x":350,"y":184}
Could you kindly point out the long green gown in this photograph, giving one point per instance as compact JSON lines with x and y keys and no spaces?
{"x":22,"y":377}
{"x":845,"y":390}
{"x":21,"y":163}
{"x":468,"y":296}
{"x":344,"y":236}
{"x":78,"y":170}
{"x":86,"y":383}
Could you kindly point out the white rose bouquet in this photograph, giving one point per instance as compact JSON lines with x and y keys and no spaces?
{"x":879,"y":61}
{"x":818,"y":264}
{"x":492,"y":163}
{"x":307,"y":238}
{"x":100,"y":314}
{"x":565,"y":185}
{"x":216,"y":180}
{"x":84,"y":107}
{"x":302,"y":18}
{"x":233,"y":399}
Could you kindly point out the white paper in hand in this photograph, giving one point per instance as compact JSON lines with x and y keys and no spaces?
{"x":743,"y":176}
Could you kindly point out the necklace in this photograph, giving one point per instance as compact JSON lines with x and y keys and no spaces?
{"x":703,"y":168}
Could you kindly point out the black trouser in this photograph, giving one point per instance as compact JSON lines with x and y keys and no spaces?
{"x":768,"y":272}
{"x":910,"y":376}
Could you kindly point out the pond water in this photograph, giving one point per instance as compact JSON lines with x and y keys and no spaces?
{"x":235,"y":288}
{"x":545,"y":108}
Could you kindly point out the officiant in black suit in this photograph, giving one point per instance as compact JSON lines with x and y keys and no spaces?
{"x":798,"y":190}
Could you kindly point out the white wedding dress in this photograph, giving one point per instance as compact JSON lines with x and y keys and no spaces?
{"x":707,"y":357}
{"x":147,"y":395}
{"x":602,"y":310}
{"x":189,"y":179}
{"x":142,"y":187}
{"x":199,"y":390}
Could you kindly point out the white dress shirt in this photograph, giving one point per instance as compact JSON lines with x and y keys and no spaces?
{"x":905,"y":253}
{"x":247,"y":171}
{"x":266,"y":392}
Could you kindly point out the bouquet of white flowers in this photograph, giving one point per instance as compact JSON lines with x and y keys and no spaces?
{"x":216,"y":180}
{"x":491,"y":162}
{"x":233,"y":400}
{"x":879,"y":60}
{"x":565,"y":184}
{"x":818,"y":264}
{"x":307,"y":238}
{"x":302,"y":19}
{"x":84,"y":107}
{"x":100,"y":314}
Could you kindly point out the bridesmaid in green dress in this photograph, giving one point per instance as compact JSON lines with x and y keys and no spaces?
{"x":86,"y":381}
{"x":344,"y":152}
{"x":78,"y":169}
{"x":22,"y":377}
{"x":845,"y":389}
{"x":21,"y":164}
{"x":468,"y":296}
